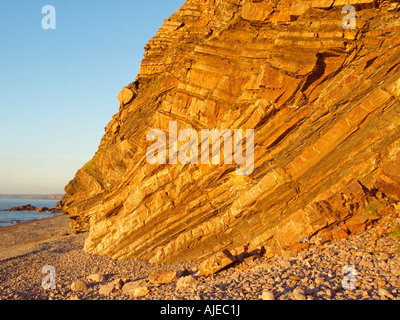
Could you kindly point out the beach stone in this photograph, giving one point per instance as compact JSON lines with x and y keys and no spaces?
{"x":299,"y":294}
{"x":107,"y":289}
{"x":79,"y":286}
{"x":130,"y":286}
{"x":366,"y":263}
{"x":319,"y":280}
{"x":162,"y":276}
{"x":328,"y":293}
{"x":381,"y":283}
{"x":139,"y":292}
{"x":96,"y":277}
{"x":188,"y":281}
{"x":267,"y":295}
{"x":395,"y":271}
{"x":385,"y":293}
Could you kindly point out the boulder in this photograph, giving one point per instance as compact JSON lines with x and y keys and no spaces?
{"x":126,"y":95}
{"x":97,"y":277}
{"x":139,"y":292}
{"x":216,"y":263}
{"x":267,"y":295}
{"x":107,"y":289}
{"x":132,"y":285}
{"x":162,"y":276}
{"x":186,"y":281}
{"x":78,"y":286}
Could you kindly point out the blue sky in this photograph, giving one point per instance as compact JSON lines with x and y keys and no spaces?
{"x":58,"y":87}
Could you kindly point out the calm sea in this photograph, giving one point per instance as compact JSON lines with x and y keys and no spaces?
{"x":13,"y":217}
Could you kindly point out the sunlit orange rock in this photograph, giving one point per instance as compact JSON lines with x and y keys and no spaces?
{"x":324,"y":106}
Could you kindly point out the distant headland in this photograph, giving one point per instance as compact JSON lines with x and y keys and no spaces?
{"x":32,"y":196}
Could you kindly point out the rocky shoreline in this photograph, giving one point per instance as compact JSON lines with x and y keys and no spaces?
{"x":29,"y":207}
{"x":321,"y":271}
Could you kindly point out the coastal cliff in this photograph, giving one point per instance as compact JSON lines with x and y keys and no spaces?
{"x":323,"y":102}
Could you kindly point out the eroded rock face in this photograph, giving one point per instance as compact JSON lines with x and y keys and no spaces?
{"x":389,"y":173}
{"x":323,"y":103}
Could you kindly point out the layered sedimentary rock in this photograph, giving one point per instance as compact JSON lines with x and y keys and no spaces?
{"x":324,"y":105}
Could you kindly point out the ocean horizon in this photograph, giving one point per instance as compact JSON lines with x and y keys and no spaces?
{"x":14,"y":217}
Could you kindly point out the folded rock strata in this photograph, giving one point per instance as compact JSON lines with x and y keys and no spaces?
{"x":323,"y":103}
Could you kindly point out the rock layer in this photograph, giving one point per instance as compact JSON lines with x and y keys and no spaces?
{"x":324,"y":104}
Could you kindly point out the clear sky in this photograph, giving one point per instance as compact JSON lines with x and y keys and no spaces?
{"x":58,"y":87}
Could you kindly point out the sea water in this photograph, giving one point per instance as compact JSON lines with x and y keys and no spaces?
{"x":13,"y":217}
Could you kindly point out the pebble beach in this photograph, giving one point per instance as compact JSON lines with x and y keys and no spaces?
{"x":364,"y":266}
